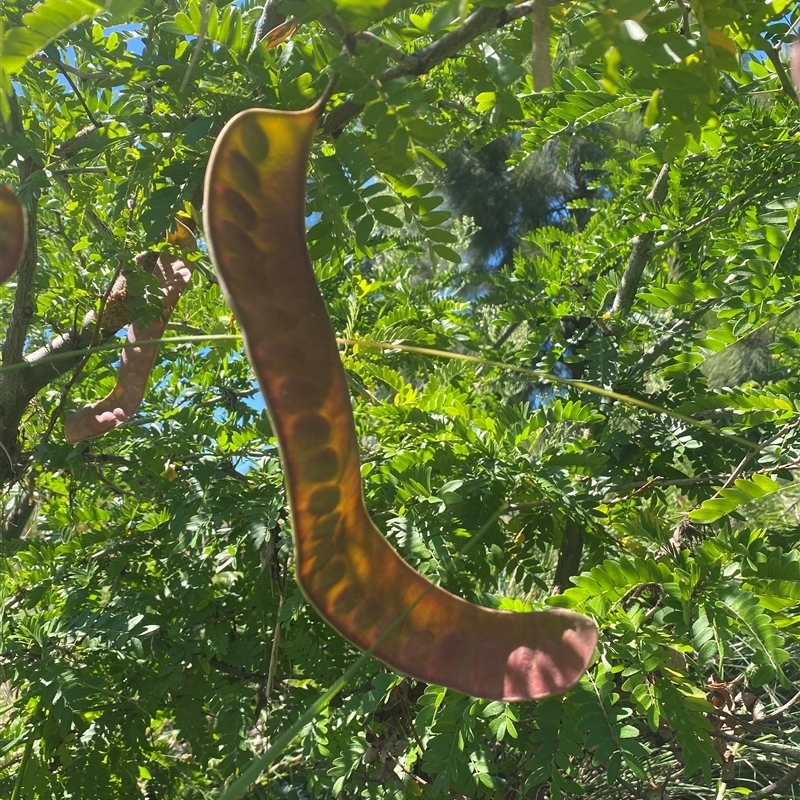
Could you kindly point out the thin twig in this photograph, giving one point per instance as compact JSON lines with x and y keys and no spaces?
{"x":111,"y":485}
{"x":765,"y":747}
{"x":748,"y":457}
{"x":697,"y":480}
{"x":778,"y":786}
{"x":541,"y":375}
{"x":782,"y":709}
{"x":421,"y":781}
{"x":240,"y":674}
{"x":718,"y":212}
{"x":198,"y":45}
{"x":398,"y":56}
{"x":79,"y":170}
{"x":426,"y":58}
{"x":410,"y":720}
{"x":502,"y":338}
{"x":80,"y":74}
{"x":276,"y":641}
{"x":655,"y":351}
{"x":78,"y":94}
{"x":97,"y":223}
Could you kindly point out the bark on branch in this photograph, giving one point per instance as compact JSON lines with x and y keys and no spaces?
{"x":781,"y":785}
{"x":569,"y":557}
{"x":11,"y":404}
{"x":482,"y":20}
{"x":19,"y":387}
{"x":541,"y":67}
{"x":640,"y":252}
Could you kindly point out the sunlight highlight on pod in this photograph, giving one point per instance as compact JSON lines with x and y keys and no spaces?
{"x":12,"y":232}
{"x":173,"y":273}
{"x":794,"y":65}
{"x":254,"y":222}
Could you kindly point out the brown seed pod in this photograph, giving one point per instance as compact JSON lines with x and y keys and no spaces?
{"x":12,"y":232}
{"x":173,"y":273}
{"x":254,"y":222}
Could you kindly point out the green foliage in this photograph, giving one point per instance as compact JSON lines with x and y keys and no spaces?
{"x":152,"y":638}
{"x":41,"y":26}
{"x":728,"y":500}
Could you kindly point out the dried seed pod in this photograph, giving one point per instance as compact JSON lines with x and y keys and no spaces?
{"x":173,"y":273}
{"x":254,"y":221}
{"x":12,"y":232}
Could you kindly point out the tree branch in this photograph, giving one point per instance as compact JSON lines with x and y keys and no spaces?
{"x":239,"y":674}
{"x":78,"y":94}
{"x":80,"y":74}
{"x":765,"y":747}
{"x":718,"y":212}
{"x":76,"y":143}
{"x":426,"y":58}
{"x":398,"y":56}
{"x":569,"y":557}
{"x":780,"y":70}
{"x":783,"y":709}
{"x":699,"y":480}
{"x":17,"y":521}
{"x":12,"y":403}
{"x":80,"y":170}
{"x":655,"y":351}
{"x":640,"y":252}
{"x":541,"y":66}
{"x":40,"y":375}
{"x":18,"y":387}
{"x":780,"y":785}
{"x":97,"y":223}
{"x":22,"y":310}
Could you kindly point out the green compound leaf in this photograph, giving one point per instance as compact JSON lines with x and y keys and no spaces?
{"x":49,"y":20}
{"x":729,"y":500}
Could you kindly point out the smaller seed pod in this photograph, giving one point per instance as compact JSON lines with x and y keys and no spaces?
{"x":12,"y":232}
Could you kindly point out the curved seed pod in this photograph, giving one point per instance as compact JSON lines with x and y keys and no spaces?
{"x":12,"y":232}
{"x":254,"y":222}
{"x":173,"y":273}
{"x":794,"y":66}
{"x":279,"y":34}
